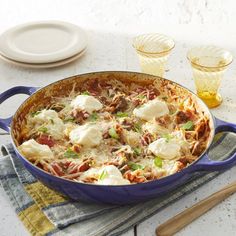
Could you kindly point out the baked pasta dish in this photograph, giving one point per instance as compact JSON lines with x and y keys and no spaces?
{"x":110,"y":132}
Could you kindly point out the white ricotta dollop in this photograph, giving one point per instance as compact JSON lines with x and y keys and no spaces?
{"x":88,"y":135}
{"x":151,"y":109}
{"x":50,"y":120}
{"x":44,"y":115}
{"x":87,"y":103}
{"x":33,"y":150}
{"x":112,"y":176}
{"x":165,"y":149}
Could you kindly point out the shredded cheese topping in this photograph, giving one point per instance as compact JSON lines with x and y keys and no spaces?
{"x":115,"y":133}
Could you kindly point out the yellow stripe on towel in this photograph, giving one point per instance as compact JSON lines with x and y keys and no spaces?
{"x":35,"y":221}
{"x":42,"y":195}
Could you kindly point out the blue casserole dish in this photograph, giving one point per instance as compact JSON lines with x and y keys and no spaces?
{"x":123,"y":194}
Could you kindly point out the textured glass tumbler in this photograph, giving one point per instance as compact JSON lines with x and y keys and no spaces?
{"x":209,"y":64}
{"x":153,"y":51}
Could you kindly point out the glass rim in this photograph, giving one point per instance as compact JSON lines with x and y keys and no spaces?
{"x":153,"y":53}
{"x":210,"y":67}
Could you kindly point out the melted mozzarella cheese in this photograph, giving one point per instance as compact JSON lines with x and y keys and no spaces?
{"x":87,"y":135}
{"x":154,"y":128}
{"x":68,"y":128}
{"x":87,"y":103}
{"x":90,"y":173}
{"x":146,"y":162}
{"x":171,"y":167}
{"x":151,"y":109}
{"x":165,"y":149}
{"x":33,"y":150}
{"x":131,"y":138}
{"x":112,"y":176}
{"x":99,"y":154}
{"x":56,"y":128}
{"x":168,"y":167}
{"x":179,"y":137}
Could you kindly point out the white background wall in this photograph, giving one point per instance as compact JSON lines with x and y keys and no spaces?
{"x":122,"y":12}
{"x":183,"y":19}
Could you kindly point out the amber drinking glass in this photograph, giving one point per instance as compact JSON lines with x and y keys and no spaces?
{"x":153,"y":51}
{"x":208,"y":65}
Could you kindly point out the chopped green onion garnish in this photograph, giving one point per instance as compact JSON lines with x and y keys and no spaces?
{"x":93,"y":116}
{"x":168,"y":137}
{"x":70,"y":154}
{"x":122,"y":114}
{"x":137,"y":128}
{"x":188,"y":126}
{"x":173,"y":112}
{"x":43,"y":129}
{"x":141,"y":96}
{"x":137,"y":151}
{"x":112,"y":133}
{"x":52,"y":121}
{"x":69,"y":119}
{"x":85,"y":93}
{"x":103,"y":175}
{"x":165,"y":98}
{"x":135,"y":166}
{"x":158,"y":162}
{"x":33,"y":114}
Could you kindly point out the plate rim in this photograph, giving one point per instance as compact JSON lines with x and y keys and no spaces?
{"x":9,"y":52}
{"x":44,"y":65}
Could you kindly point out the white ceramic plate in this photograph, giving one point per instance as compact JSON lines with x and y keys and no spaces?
{"x":42,"y":42}
{"x":43,"y":65}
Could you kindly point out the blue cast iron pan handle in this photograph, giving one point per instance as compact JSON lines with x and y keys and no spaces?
{"x":211,"y":165}
{"x":5,"y":123}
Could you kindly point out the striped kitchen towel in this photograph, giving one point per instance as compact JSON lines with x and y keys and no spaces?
{"x":45,"y":212}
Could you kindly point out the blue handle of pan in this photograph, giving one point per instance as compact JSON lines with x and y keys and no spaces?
{"x":211,"y":165}
{"x":5,"y":123}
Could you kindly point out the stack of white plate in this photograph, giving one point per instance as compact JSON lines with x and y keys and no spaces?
{"x":43,"y":44}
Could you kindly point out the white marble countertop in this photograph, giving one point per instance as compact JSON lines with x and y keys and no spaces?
{"x":110,"y":26}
